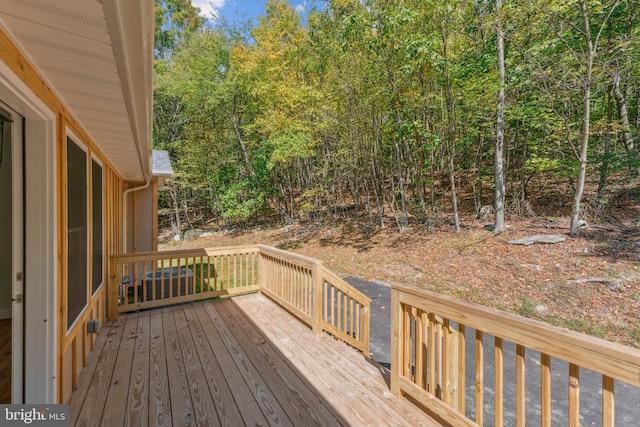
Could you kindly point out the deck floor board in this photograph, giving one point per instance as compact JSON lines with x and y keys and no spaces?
{"x":159,"y":398}
{"x":225,"y":405}
{"x":137,"y":412}
{"x":234,"y":361}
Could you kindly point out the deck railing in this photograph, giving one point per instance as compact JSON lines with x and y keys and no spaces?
{"x":428,"y":353}
{"x":299,"y":284}
{"x":154,"y":279}
{"x":317,"y":296}
{"x":345,"y":311}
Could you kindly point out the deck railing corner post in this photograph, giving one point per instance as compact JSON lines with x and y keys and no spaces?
{"x":366,"y":326}
{"x":396,"y":343}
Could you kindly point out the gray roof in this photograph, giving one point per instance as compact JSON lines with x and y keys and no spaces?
{"x":161,"y":164}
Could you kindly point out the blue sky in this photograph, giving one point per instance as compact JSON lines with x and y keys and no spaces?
{"x":241,"y":10}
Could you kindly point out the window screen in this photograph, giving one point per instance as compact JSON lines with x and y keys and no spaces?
{"x":96,"y":217}
{"x":77,"y":274}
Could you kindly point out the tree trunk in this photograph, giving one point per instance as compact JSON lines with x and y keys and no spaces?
{"x":176,"y":225}
{"x":432,"y":186}
{"x":523,"y":169}
{"x":403,"y":192}
{"x":185,"y":208}
{"x":604,"y":168}
{"x":478,"y":185}
{"x":252,"y":171}
{"x":624,"y":115}
{"x":451,"y":133}
{"x":586,"y":117}
{"x":454,"y":195}
{"x":499,"y":173}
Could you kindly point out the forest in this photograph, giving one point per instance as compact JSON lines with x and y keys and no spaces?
{"x":398,"y":113}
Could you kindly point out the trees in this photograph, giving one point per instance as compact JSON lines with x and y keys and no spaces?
{"x":499,"y":172}
{"x":387,"y":108}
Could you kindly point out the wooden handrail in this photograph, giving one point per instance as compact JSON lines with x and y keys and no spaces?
{"x":288,"y":257}
{"x":428,"y":356}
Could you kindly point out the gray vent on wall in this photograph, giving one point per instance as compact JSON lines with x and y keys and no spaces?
{"x":93,"y":326}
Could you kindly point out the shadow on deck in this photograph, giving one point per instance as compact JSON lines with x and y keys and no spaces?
{"x":232,"y":361}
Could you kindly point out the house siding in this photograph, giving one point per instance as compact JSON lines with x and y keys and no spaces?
{"x":73,"y":345}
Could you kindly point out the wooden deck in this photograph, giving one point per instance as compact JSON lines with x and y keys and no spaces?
{"x":235,"y":361}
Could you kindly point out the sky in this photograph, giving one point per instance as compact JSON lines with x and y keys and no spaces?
{"x":241,"y":10}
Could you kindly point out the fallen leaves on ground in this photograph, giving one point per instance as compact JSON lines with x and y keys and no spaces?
{"x":537,"y":281}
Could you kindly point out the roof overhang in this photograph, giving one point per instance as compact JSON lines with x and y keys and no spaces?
{"x":161,"y":164}
{"x":97,"y":56}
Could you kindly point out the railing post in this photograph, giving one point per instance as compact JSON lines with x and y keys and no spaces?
{"x":396,"y":342}
{"x":316,"y":313}
{"x":263,"y":275}
{"x":112,"y":289}
{"x":366,"y":328}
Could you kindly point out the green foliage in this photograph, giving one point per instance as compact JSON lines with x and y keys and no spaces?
{"x":366,"y":104}
{"x":175,"y":20}
{"x":240,"y":200}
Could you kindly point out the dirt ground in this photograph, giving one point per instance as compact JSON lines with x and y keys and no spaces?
{"x":589,"y":284}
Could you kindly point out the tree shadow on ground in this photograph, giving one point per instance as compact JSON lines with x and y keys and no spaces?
{"x":621,"y":244}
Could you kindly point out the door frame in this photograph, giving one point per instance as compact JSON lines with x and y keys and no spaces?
{"x":40,"y":218}
{"x":17,"y":250}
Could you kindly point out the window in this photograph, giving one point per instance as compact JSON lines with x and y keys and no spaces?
{"x":96,"y":233}
{"x":77,"y":219}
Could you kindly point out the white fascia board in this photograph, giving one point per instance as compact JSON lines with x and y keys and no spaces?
{"x":130,"y":24}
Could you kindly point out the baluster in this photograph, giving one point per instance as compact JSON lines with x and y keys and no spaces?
{"x":545,"y":389}
{"x":135,"y":282}
{"x":432,"y":354}
{"x":144,"y":281}
{"x":406,"y":341}
{"x":419,"y":350}
{"x":608,"y":413}
{"x":444,"y":359}
{"x":461,"y":368}
{"x":479,"y":378}
{"x":498,"y":384}
{"x":574,"y":395}
{"x":520,"y":386}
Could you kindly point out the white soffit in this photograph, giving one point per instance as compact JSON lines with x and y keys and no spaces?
{"x":97,"y":56}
